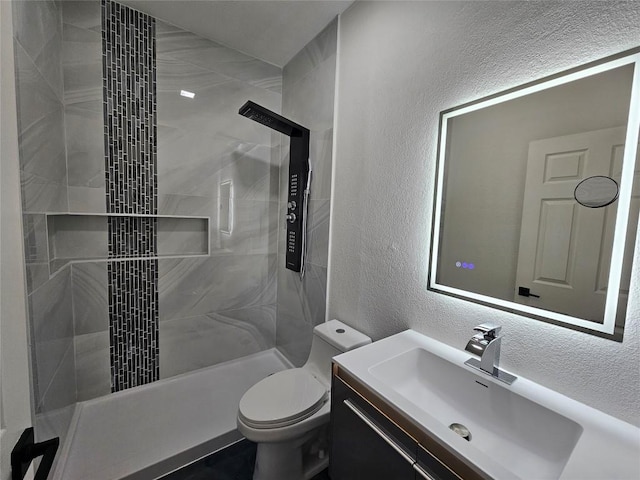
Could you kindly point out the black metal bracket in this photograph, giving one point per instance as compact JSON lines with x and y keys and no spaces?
{"x":26,"y":450}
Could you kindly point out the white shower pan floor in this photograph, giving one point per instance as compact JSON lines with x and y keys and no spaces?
{"x":148,"y":431}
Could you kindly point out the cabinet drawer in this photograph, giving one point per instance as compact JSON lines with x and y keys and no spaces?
{"x":365,"y":444}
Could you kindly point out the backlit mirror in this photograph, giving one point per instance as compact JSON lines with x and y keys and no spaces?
{"x":508,"y":229}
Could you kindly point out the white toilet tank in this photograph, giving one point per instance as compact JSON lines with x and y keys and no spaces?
{"x":330,"y":339}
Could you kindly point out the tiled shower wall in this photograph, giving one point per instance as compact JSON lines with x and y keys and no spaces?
{"x":38,"y":39}
{"x":307,"y":98}
{"x":212,"y":308}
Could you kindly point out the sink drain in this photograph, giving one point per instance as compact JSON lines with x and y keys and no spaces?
{"x":461,"y":430}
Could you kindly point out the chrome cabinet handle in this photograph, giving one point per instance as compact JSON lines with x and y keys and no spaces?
{"x":422,"y":472}
{"x":380,"y":433}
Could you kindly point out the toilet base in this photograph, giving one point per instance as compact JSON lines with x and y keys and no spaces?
{"x":297,"y":459}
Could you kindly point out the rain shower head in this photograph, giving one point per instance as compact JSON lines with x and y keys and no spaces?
{"x":271,"y":119}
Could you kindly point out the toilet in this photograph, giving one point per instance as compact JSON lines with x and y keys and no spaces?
{"x":287,"y":413}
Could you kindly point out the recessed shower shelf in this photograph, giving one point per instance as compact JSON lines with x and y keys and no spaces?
{"x":82,"y":237}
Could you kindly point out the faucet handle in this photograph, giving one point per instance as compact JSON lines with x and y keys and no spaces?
{"x":489,"y":330}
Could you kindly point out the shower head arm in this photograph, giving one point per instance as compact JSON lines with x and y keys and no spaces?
{"x":272,"y":120}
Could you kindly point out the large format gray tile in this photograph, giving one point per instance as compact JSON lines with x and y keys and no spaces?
{"x":37,"y":29}
{"x":301,"y":306}
{"x":182,"y":236}
{"x":321,"y":157}
{"x":90,"y":297}
{"x":42,"y":195}
{"x":196,"y":286}
{"x":309,"y":101}
{"x":85,"y":147}
{"x":35,"y":96}
{"x":61,"y":391}
{"x":318,"y":232}
{"x":87,"y":199}
{"x":93,"y":369}
{"x":34,"y":227}
{"x":42,"y":148}
{"x":253,"y":229}
{"x":169,"y":204}
{"x":82,"y":66}
{"x":321,"y":48}
{"x":84,"y":14}
{"x":188,"y":344}
{"x":51,"y":308}
{"x":179,"y":44}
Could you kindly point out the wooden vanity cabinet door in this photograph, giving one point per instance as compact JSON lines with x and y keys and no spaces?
{"x":358,"y":451}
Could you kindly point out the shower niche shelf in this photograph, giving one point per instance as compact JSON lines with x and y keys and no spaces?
{"x":81,"y":237}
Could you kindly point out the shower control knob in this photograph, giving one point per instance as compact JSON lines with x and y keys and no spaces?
{"x":292,"y":205}
{"x":291,"y":217}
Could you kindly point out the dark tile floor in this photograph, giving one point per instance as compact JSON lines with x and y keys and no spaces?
{"x":232,"y":463}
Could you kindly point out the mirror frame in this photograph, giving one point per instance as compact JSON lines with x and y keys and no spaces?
{"x":613,"y":324}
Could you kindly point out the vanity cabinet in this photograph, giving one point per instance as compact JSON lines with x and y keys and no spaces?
{"x":371,"y":440}
{"x":364,"y":444}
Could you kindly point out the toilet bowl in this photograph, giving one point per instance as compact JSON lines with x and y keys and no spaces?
{"x":287,"y":413}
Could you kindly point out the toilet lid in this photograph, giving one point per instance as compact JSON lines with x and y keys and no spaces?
{"x":282,"y":399}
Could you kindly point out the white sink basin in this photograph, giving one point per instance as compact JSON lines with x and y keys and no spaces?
{"x":518,"y":431}
{"x":521,"y":435}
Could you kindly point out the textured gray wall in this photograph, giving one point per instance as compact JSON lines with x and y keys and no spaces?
{"x":401,"y":63}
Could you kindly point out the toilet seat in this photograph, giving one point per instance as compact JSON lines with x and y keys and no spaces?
{"x":282,"y":399}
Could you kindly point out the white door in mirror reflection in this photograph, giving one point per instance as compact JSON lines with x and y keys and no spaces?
{"x":565,"y":248}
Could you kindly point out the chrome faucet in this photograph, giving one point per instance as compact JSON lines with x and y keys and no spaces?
{"x":486,"y":344}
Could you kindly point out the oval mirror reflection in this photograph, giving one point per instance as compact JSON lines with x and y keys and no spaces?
{"x":596,"y":192}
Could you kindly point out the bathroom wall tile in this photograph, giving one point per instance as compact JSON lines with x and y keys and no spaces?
{"x":42,"y":149}
{"x":90,"y":297}
{"x":309,"y":101}
{"x":321,"y":156}
{"x":209,"y":160}
{"x":253,"y":229}
{"x":37,"y":275}
{"x":318,"y":232}
{"x":93,"y":368}
{"x":82,"y":14}
{"x":48,"y":356}
{"x":301,"y":306}
{"x":188,"y":344}
{"x":37,"y":28}
{"x":36,"y":98}
{"x":308,"y":93}
{"x":34,"y":227}
{"x":72,"y":237}
{"x":54,"y":424}
{"x":214,"y":109}
{"x":85,"y":147}
{"x":87,"y":199}
{"x":182,"y":236}
{"x":51,"y":308}
{"x":250,"y":168}
{"x":35,"y":23}
{"x":42,"y":195}
{"x":82,"y":66}
{"x":61,"y":391}
{"x":196,"y":286}
{"x":169,"y":204}
{"x":321,"y":48}
{"x":173,"y":42}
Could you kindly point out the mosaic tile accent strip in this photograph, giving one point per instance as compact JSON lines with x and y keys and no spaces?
{"x":133,"y":323}
{"x":129,"y":88}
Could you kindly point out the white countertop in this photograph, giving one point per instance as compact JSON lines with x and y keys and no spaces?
{"x":607,"y":449}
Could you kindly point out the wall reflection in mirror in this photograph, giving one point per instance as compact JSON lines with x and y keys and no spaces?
{"x":508,"y":229}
